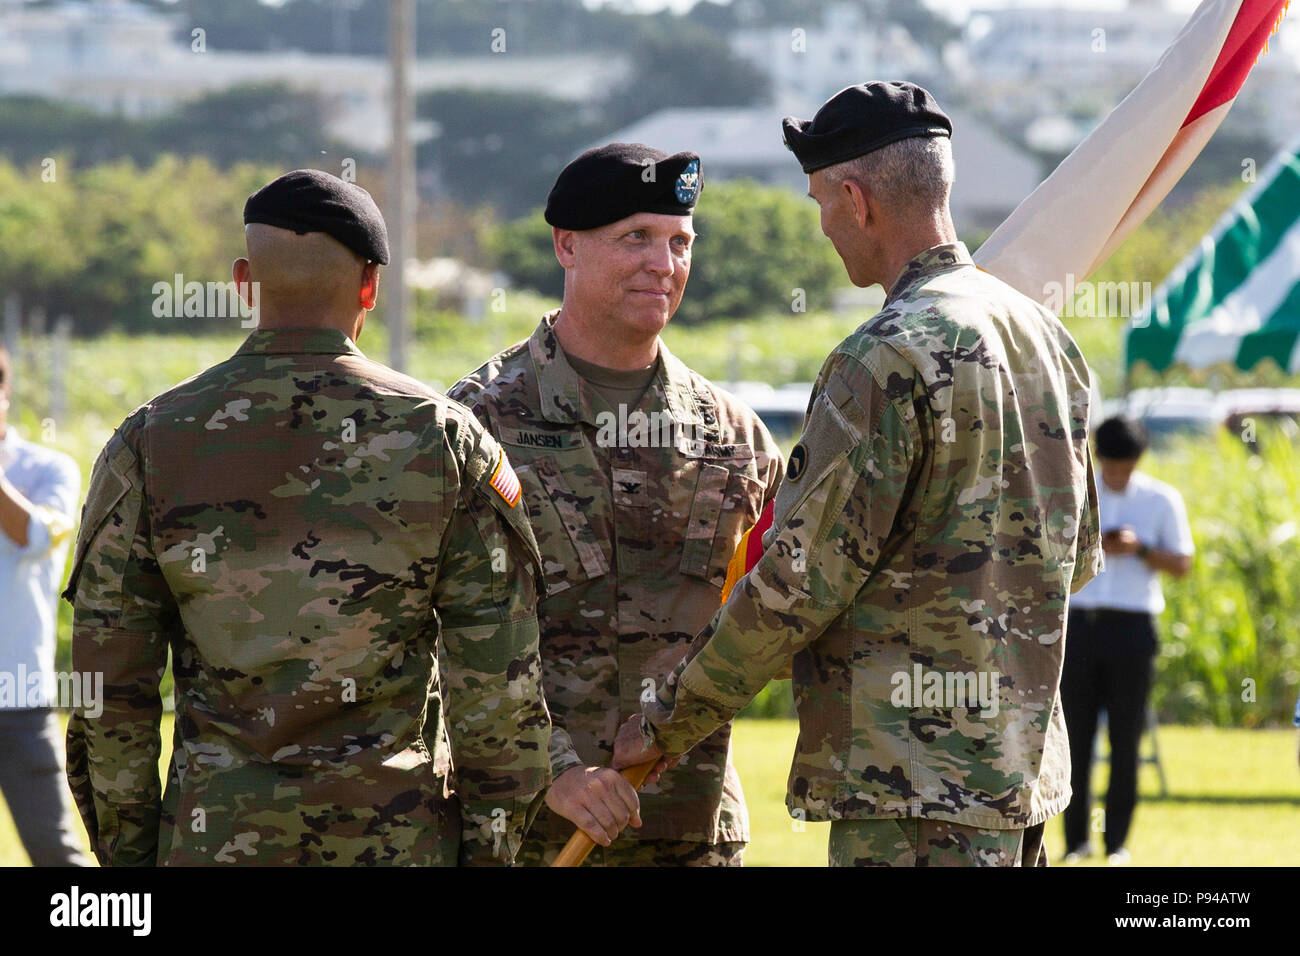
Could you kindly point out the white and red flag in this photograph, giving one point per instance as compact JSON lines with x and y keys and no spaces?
{"x":1109,"y":184}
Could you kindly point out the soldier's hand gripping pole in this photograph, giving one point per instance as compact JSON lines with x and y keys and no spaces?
{"x":579,"y":845}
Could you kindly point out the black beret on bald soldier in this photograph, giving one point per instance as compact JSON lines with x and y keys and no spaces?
{"x":308,"y":200}
{"x":612,"y":182}
{"x":859,"y":119}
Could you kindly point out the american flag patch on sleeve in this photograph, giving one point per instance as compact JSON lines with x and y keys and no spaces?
{"x":505,"y":482}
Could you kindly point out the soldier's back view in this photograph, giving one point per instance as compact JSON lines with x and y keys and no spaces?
{"x":302,"y":526}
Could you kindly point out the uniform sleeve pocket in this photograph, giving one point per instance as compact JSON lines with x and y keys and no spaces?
{"x":827,"y":439}
{"x":102,"y":519}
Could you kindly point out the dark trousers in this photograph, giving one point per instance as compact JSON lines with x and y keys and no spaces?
{"x":1109,"y":657}
{"x":32,"y":780}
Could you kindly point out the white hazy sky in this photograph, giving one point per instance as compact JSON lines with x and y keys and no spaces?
{"x":957,"y":9}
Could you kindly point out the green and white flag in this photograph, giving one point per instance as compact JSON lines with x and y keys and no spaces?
{"x":1236,"y":298}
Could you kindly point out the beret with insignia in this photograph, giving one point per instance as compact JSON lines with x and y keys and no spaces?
{"x":612,"y":182}
{"x":308,"y":200}
{"x":859,"y":119}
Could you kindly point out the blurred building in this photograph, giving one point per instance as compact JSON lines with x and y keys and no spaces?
{"x":810,"y":62}
{"x":1068,"y":46}
{"x":1049,"y":73}
{"x":119,"y":57}
{"x":993,"y":175}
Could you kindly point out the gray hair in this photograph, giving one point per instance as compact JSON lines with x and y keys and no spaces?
{"x":916,"y":172}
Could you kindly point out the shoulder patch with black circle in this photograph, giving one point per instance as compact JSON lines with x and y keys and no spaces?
{"x":798,"y":460}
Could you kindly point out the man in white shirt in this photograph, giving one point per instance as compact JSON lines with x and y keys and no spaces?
{"x":1111,"y":636}
{"x":38,"y":500}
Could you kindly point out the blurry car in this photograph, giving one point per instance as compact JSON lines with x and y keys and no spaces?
{"x":1167,"y":412}
{"x":1176,"y":410}
{"x":781,"y":409}
{"x":1245,"y":409}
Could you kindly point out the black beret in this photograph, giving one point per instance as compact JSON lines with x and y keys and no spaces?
{"x":612,"y":182}
{"x":861,"y":118}
{"x":308,"y":200}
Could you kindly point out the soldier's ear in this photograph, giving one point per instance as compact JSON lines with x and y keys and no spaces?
{"x":860,"y":200}
{"x":240,"y":272}
{"x":566,"y":245}
{"x":369,"y":285}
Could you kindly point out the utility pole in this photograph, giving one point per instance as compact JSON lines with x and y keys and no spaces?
{"x":401,"y":170}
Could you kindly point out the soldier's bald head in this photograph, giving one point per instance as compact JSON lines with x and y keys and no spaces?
{"x":303,"y":273}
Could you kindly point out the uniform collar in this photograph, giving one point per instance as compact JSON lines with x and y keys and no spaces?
{"x":934,"y":260}
{"x":564,"y":399}
{"x":299,"y":342}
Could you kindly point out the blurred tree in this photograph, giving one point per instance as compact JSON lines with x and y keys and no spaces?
{"x":501,"y":148}
{"x":460,"y":27}
{"x":683,"y":66}
{"x":267,"y":124}
{"x":32,"y":128}
{"x":96,"y":241}
{"x":759,"y":249}
{"x":262,"y":123}
{"x":523,"y":250}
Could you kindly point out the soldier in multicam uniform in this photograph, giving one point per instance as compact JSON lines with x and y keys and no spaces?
{"x":640,"y":478}
{"x":305,"y":529}
{"x":936,"y":514}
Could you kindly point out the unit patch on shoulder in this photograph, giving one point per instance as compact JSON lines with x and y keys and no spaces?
{"x":798,"y":461}
{"x":505,"y":482}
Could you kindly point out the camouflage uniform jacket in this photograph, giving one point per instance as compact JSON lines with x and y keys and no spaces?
{"x":635,"y":531}
{"x":938,"y":510}
{"x":303,"y":528}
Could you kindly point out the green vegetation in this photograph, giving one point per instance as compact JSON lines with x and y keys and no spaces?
{"x":94,"y":242}
{"x":1234,"y":800}
{"x":1228,"y":652}
{"x":503,"y":148}
{"x":265,"y":123}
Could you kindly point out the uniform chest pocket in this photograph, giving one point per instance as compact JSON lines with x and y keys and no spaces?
{"x":726,"y":503}
{"x":571,"y":552}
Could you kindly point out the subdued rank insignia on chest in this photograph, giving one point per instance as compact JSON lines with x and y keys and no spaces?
{"x":798,"y":461}
{"x":505,"y":482}
{"x":630,"y":488}
{"x":688,"y":182}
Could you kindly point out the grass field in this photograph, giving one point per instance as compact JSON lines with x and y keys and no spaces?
{"x":1234,"y":800}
